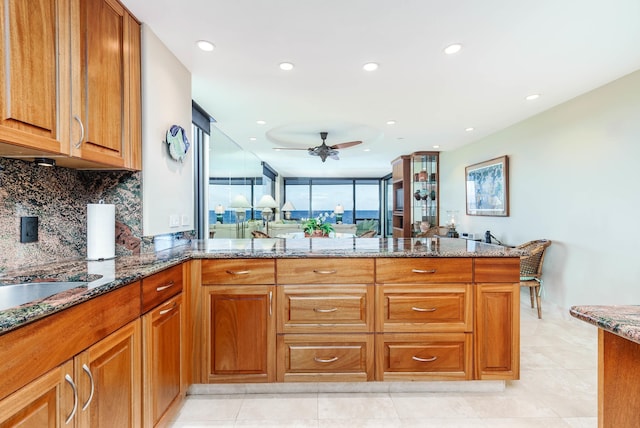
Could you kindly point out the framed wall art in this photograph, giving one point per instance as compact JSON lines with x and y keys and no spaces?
{"x":487,"y":187}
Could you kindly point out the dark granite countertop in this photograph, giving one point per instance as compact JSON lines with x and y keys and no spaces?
{"x":623,"y":320}
{"x":103,"y":276}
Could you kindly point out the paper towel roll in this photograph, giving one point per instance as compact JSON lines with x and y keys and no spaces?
{"x":101,"y":231}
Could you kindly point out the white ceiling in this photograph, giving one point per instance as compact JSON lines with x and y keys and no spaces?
{"x":511,"y":49}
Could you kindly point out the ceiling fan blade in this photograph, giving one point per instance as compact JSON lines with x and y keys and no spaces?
{"x":345,"y":145}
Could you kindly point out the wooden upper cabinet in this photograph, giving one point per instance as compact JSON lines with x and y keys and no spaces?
{"x":104,"y":72}
{"x":71,"y":87}
{"x":34,"y":74}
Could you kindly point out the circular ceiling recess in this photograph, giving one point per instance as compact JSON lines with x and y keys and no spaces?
{"x":307,"y":134}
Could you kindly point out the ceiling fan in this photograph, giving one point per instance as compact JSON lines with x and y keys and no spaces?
{"x":323,"y":150}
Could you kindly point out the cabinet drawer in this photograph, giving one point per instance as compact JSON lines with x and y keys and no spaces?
{"x":325,"y":271}
{"x":238,"y":271}
{"x":501,"y":269}
{"x":428,"y":356}
{"x":420,"y":308}
{"x":423,"y":270}
{"x":160,"y":286}
{"x":325,"y":357}
{"x":325,"y":308}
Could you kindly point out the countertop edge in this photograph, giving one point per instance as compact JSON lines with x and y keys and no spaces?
{"x":621,"y":320}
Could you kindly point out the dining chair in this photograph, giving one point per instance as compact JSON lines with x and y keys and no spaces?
{"x":531,"y":269}
{"x":259,"y":234}
{"x":368,"y":234}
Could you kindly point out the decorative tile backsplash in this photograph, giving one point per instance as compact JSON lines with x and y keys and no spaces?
{"x":59,"y":198}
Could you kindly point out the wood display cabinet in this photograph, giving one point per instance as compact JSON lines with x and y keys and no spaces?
{"x":74,"y":89}
{"x":416,"y":193}
{"x":238,"y":307}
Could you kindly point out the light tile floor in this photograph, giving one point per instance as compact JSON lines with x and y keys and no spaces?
{"x":558,"y":388}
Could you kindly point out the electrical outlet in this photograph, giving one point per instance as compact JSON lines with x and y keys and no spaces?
{"x":28,"y":229}
{"x":174,"y":220}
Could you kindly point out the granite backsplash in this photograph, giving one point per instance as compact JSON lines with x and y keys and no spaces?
{"x":59,"y":197}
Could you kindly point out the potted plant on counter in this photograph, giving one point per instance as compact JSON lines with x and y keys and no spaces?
{"x":317,"y":227}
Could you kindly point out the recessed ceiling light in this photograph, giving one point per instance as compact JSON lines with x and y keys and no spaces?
{"x":391,"y":122}
{"x":452,"y":49}
{"x":205,"y":45}
{"x":370,"y":66}
{"x":252,"y":138}
{"x":366,"y":150}
{"x":532,"y":97}
{"x":436,"y":146}
{"x":469,"y":129}
{"x":286,"y":66}
{"x":261,"y":122}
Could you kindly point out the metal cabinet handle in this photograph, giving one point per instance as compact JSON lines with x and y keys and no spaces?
{"x":75,"y":398}
{"x":424,"y":360}
{"x":323,"y":360}
{"x":325,"y":272}
{"x":325,"y":310}
{"x":238,"y":272}
{"x":164,"y":287}
{"x":79,"y":143}
{"x":270,"y":303}
{"x":413,"y":308}
{"x":423,"y":271}
{"x":166,"y":311}
{"x":88,"y":372}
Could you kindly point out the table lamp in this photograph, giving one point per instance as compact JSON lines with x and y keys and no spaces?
{"x":268,"y":204}
{"x":219,"y":210}
{"x":338,"y":211}
{"x":240,"y":204}
{"x":286,"y":209}
{"x":452,"y":216}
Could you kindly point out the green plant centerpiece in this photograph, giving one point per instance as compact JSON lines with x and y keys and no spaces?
{"x":317,"y":227}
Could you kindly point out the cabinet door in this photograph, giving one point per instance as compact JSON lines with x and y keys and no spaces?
{"x":163,"y":364}
{"x":240,"y":332}
{"x":101,"y":33}
{"x":497,"y":333}
{"x":108,"y":378}
{"x":45,"y":402}
{"x":34,"y":90}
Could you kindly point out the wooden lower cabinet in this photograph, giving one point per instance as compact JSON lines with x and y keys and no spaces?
{"x":45,"y":402}
{"x":240,"y":333}
{"x":424,"y":356}
{"x":164,"y":385}
{"x":325,"y":357}
{"x":100,"y":387}
{"x":497,"y":332}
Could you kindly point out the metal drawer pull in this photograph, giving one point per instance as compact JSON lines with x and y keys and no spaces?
{"x":164,"y":287}
{"x":238,"y":272}
{"x":166,"y":311}
{"x":88,"y":372}
{"x":325,"y":310}
{"x":325,"y":272}
{"x":424,"y":360}
{"x":79,"y":143}
{"x":423,"y":309}
{"x":75,"y":398}
{"x":423,"y":271}
{"x":322,"y":360}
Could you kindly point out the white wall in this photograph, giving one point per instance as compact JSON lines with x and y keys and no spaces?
{"x":573,"y":179}
{"x":167,"y":185}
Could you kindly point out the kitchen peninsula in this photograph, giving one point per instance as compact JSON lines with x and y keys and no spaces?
{"x":618,"y":356}
{"x":266,"y":310}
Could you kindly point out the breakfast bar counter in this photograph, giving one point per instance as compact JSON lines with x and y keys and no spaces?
{"x":618,"y":358}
